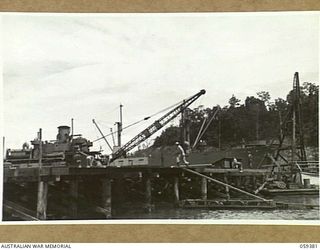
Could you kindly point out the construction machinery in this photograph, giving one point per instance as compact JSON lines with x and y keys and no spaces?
{"x":154,"y":127}
{"x":74,"y":150}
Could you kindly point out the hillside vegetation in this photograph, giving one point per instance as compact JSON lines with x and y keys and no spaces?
{"x":257,"y":118}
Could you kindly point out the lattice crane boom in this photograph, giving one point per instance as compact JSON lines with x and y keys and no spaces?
{"x":156,"y":126}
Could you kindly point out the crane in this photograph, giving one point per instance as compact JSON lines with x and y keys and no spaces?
{"x":156,"y":126}
{"x":105,"y":139}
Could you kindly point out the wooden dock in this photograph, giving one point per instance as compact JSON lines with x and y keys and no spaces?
{"x":107,"y":186}
{"x":295,"y":191}
{"x":228,"y":204}
{"x":50,"y":173}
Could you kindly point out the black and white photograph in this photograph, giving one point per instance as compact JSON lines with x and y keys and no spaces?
{"x":167,"y":117}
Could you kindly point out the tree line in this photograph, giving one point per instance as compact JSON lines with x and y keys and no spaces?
{"x":257,"y":118}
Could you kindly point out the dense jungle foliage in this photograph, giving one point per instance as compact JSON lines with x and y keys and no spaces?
{"x":258,"y":118}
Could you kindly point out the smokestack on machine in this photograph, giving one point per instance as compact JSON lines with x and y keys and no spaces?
{"x":63,"y":134}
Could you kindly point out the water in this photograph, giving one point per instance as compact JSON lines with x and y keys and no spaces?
{"x":303,"y":199}
{"x":223,"y":214}
{"x":163,"y":211}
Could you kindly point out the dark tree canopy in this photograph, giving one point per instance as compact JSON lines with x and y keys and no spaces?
{"x":257,"y":119}
{"x":234,"y":101}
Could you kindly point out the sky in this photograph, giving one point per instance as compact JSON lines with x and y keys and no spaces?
{"x":61,"y":66}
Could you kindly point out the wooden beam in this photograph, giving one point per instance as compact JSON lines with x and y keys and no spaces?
{"x":226,"y":187}
{"x":176,"y":189}
{"x":148,"y":193}
{"x":73,"y":189}
{"x":42,"y":200}
{"x":224,"y":184}
{"x":254,"y":182}
{"x":204,"y":188}
{"x":21,"y":212}
{"x":106,"y":197}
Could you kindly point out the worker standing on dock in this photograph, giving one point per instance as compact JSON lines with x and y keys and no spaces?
{"x":90,"y":160}
{"x":181,"y":155}
{"x":237,"y":164}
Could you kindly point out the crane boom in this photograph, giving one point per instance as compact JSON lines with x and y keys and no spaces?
{"x":105,"y":139}
{"x":157,"y":125}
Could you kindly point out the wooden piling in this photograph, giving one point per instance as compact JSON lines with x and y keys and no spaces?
{"x":42,"y":200}
{"x":238,"y":181}
{"x":204,"y":188}
{"x":148,"y":194}
{"x":42,"y":197}
{"x":254,"y":182}
{"x":106,"y":197}
{"x":176,"y":189}
{"x":226,"y":187}
{"x":73,"y":191}
{"x":117,"y":191}
{"x":224,"y":184}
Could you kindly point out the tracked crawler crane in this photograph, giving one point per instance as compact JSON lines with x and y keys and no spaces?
{"x":154,"y":127}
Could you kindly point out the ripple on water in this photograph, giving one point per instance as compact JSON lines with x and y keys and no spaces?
{"x":206,"y":214}
{"x":252,"y":214}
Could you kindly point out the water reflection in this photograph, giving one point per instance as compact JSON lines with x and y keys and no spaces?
{"x":169,"y":212}
{"x":312,"y":214}
{"x":306,"y":199}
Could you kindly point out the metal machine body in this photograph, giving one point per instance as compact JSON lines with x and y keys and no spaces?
{"x":67,"y":148}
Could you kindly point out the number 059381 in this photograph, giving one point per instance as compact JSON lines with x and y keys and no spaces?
{"x":309,"y":246}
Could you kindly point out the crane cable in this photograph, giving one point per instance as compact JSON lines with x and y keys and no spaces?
{"x":144,"y":119}
{"x":202,"y":131}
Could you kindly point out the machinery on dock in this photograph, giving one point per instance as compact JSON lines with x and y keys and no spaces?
{"x":66,"y":149}
{"x":74,"y":150}
{"x":154,"y":127}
